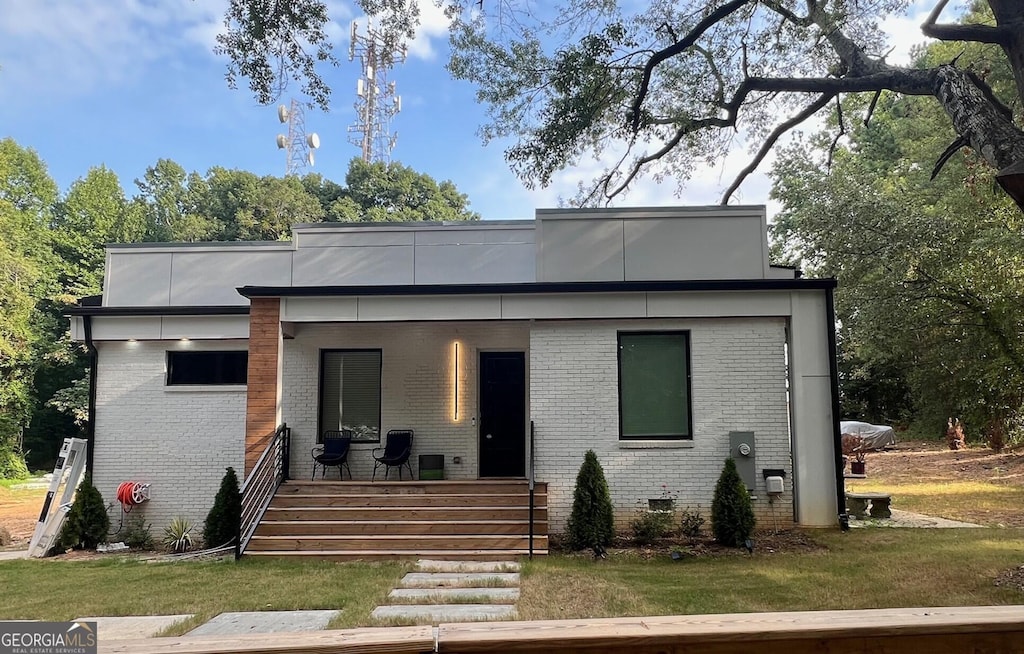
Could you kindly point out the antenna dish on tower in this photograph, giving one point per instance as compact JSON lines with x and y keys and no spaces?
{"x":297,"y":144}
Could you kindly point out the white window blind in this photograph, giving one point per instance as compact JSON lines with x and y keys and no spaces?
{"x":350,"y":393}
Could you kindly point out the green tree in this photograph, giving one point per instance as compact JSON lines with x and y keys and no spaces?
{"x":664,"y":86}
{"x":87,"y":523}
{"x":94,"y":213}
{"x":592,"y":521}
{"x":732,"y":515}
{"x":377,"y":192}
{"x":27,"y":195}
{"x":225,"y":517}
{"x":931,"y":280}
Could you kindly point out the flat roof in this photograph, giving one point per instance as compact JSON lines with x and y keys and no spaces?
{"x":522,"y":288}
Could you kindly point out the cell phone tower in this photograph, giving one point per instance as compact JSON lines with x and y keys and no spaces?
{"x":376,"y":101}
{"x":297,"y":145}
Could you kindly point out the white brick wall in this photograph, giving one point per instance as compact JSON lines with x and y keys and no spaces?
{"x":738,"y":384}
{"x":179,"y":441}
{"x":417,"y":386}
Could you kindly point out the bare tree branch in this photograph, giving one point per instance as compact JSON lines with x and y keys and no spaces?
{"x":839,"y":134}
{"x":948,"y":153}
{"x":963,"y":32}
{"x":772,"y":138}
{"x":676,"y":48}
{"x":871,"y":107}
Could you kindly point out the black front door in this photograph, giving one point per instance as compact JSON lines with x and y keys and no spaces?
{"x":502,"y":414}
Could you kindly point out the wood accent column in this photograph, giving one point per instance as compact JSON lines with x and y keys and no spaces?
{"x":263,"y":402}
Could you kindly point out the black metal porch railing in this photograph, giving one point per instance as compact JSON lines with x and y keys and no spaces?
{"x":531,"y":484}
{"x":270,"y":471}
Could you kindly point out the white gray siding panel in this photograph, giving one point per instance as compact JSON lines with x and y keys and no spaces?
{"x":579,"y":251}
{"x":694,"y":248}
{"x":211,"y":278}
{"x":138,"y":278}
{"x":354,"y":266}
{"x":315,"y":309}
{"x":490,"y":263}
{"x":200,"y":327}
{"x":442,"y":307}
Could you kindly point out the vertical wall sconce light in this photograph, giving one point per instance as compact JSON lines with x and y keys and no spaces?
{"x":455,"y":403}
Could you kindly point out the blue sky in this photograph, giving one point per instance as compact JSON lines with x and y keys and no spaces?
{"x":126,"y":82}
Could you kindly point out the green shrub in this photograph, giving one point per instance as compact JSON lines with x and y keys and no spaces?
{"x":136,"y":533}
{"x":732,"y":516}
{"x":592,"y":522}
{"x":224,"y":519}
{"x":12,"y":464}
{"x":691,"y":523}
{"x":87,"y":523}
{"x":649,"y":526}
{"x":178,"y":535}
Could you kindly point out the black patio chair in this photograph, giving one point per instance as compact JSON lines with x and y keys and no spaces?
{"x":397,"y":448}
{"x":333,"y":452}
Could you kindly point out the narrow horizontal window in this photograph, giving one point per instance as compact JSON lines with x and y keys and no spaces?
{"x":207,"y":368}
{"x":654,"y":385}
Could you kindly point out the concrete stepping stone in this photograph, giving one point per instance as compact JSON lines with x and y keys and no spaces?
{"x":426,"y":565}
{"x":264,"y":622}
{"x":446,"y":595}
{"x":459,"y":579}
{"x":130,"y":627}
{"x":445,"y":612}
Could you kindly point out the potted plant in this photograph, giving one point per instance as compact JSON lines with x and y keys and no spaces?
{"x":857,"y":465}
{"x":853,"y":446}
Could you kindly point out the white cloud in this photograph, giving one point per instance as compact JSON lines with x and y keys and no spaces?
{"x":433,"y":25}
{"x":905,"y":31}
{"x":78,"y":46}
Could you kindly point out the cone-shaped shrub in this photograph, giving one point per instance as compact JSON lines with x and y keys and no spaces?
{"x":732,"y":515}
{"x":224,"y":519}
{"x":87,"y":523}
{"x":592,"y":522}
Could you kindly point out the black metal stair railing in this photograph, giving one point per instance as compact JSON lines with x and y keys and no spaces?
{"x":262,"y":482}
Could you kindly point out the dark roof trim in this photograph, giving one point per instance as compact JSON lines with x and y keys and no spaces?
{"x":540,"y":287}
{"x":233,"y":310}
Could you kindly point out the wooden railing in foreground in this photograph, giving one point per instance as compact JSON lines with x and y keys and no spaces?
{"x":270,"y":471}
{"x":945,"y":630}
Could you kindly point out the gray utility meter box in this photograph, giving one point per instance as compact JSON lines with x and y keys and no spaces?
{"x":741,"y":449}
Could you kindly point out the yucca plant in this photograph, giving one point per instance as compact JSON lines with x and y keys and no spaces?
{"x":178,"y":535}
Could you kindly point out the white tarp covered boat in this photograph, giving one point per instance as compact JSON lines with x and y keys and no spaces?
{"x":876,"y":437}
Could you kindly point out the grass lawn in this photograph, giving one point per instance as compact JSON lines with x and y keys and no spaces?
{"x":974,"y":485}
{"x":863,"y":568}
{"x":64,"y":590}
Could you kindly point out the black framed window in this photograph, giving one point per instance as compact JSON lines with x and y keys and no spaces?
{"x":207,"y":368}
{"x":654,"y":385}
{"x":350,"y":393}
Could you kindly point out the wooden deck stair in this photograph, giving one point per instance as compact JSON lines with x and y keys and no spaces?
{"x":463,"y":520}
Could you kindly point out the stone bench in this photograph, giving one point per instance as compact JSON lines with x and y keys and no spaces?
{"x":857,"y":504}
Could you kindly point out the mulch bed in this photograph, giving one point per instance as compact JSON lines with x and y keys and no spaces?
{"x":765,"y":542}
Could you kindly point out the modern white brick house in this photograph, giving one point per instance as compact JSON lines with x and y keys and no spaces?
{"x":660,"y":338}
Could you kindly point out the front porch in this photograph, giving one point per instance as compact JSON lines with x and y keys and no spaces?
{"x":465,"y":520}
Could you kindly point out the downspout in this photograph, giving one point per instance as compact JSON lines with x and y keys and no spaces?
{"x":837,"y":438}
{"x":90,"y":429}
